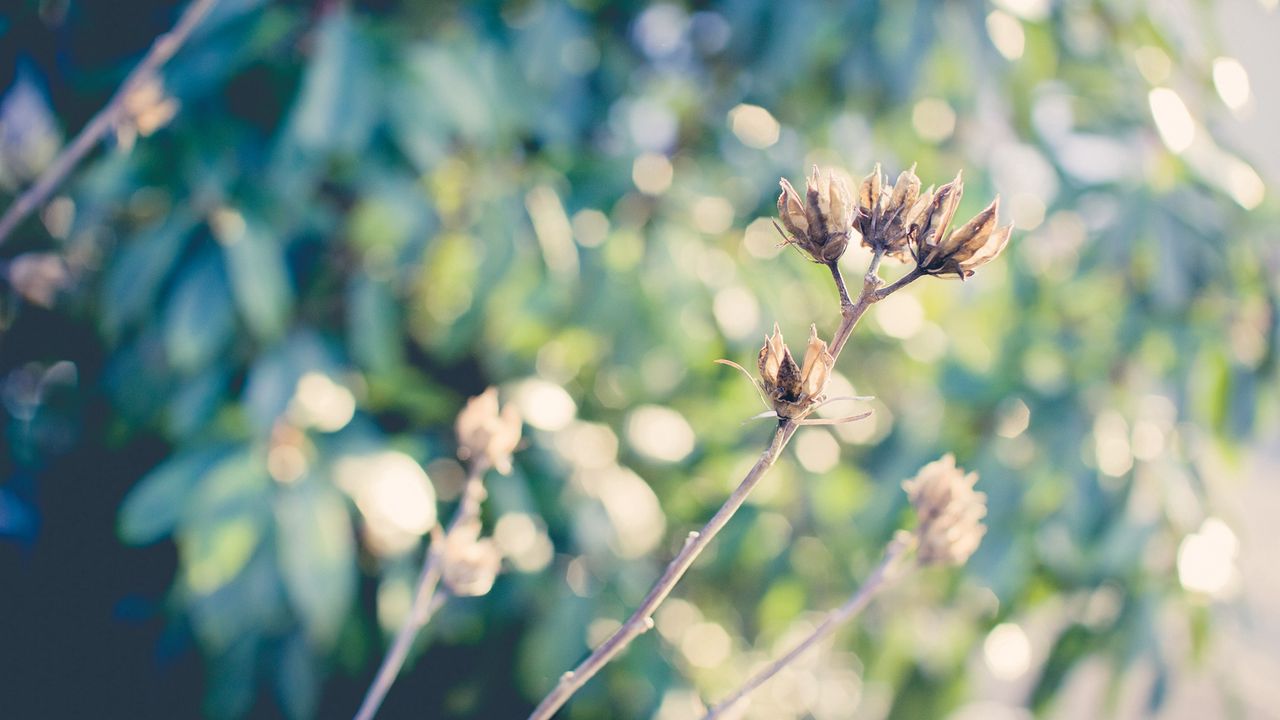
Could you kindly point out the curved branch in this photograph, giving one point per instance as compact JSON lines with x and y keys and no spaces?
{"x":426,"y":600}
{"x":164,"y":48}
{"x":877,"y":581}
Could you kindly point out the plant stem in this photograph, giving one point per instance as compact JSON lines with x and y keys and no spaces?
{"x":161,"y":51}
{"x":642,"y":619}
{"x":426,"y":599}
{"x":877,"y":581}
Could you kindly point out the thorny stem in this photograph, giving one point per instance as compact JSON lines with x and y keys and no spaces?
{"x":161,"y":51}
{"x":427,"y":598}
{"x":883,"y":574}
{"x":641,"y":620}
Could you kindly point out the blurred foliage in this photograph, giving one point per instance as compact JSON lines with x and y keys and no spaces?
{"x":361,"y":215}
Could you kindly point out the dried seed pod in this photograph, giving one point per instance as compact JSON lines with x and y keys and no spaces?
{"x":484,"y":431}
{"x":819,"y":223}
{"x":792,"y":389}
{"x":968,"y":247}
{"x":469,"y":564}
{"x":949,"y":512}
{"x":884,"y":212}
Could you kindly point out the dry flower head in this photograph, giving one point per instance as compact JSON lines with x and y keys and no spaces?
{"x":821,"y":222}
{"x":469,"y":563}
{"x":146,"y":109}
{"x":949,"y":511}
{"x":792,"y":389}
{"x":939,"y":251}
{"x":38,"y":277}
{"x":484,"y":431}
{"x":887,"y":213}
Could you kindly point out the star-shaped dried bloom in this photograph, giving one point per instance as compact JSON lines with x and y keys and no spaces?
{"x":483,"y":431}
{"x":887,"y":214}
{"x":949,"y":512}
{"x":821,"y":222}
{"x":792,"y":389}
{"x":960,"y":252}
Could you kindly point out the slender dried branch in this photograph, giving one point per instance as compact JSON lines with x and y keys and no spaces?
{"x":642,"y":619}
{"x":427,"y":598}
{"x":881,"y":576}
{"x":107,"y":118}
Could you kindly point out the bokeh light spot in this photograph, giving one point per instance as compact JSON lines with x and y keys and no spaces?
{"x":1007,"y":651}
{"x":754,"y":126}
{"x":1173,"y":120}
{"x":652,"y":173}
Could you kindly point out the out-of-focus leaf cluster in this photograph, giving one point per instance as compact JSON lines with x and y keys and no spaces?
{"x":359,"y":217}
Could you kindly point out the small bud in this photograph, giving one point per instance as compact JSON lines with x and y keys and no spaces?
{"x":821,"y":222}
{"x":484,"y":431}
{"x":469,"y":564}
{"x":793,"y":389}
{"x":949,"y":512}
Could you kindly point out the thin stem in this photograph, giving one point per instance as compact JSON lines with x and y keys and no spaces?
{"x":845,"y":302}
{"x":427,"y":599}
{"x":161,"y":51}
{"x":877,"y":581}
{"x":642,"y":619}
{"x":900,"y":283}
{"x":872,"y":293}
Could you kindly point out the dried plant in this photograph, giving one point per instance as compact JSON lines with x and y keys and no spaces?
{"x":895,"y":221}
{"x":948,"y":529}
{"x":138,"y":106}
{"x":458,"y":557}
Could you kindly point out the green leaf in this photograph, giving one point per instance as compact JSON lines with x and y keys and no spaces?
{"x":317,"y":555}
{"x":251,"y":604}
{"x":197,"y":399}
{"x":236,"y":485}
{"x":134,"y":279}
{"x":151,"y":509}
{"x":214,"y":553}
{"x":223,"y":522}
{"x":373,"y":323}
{"x":259,"y":279}
{"x":337,"y":107}
{"x":274,"y":376}
{"x":297,"y":679}
{"x":198,"y":320}
{"x":230,"y":684}
{"x":1072,"y":646}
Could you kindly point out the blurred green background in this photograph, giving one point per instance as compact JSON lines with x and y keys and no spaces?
{"x":253,"y":322}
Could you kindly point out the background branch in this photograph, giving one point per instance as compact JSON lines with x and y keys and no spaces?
{"x":427,"y":599}
{"x":877,"y":581}
{"x":107,"y":118}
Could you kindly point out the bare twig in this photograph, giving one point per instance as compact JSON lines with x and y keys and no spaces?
{"x":642,"y":619}
{"x":107,"y":118}
{"x":427,"y":598}
{"x":884,"y":573}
